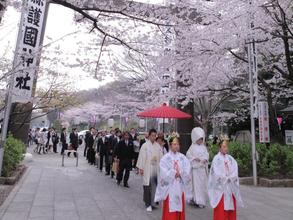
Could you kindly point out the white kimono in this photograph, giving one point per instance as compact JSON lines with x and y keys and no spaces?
{"x":169,"y":185}
{"x":199,"y":172}
{"x":199,"y":169}
{"x":149,"y":160}
{"x":223,"y":180}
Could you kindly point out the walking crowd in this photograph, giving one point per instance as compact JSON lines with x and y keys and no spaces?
{"x":168,"y":176}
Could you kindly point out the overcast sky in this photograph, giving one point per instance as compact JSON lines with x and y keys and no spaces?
{"x":60,"y":23}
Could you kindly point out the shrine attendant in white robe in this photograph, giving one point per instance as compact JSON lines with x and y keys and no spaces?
{"x":199,"y":157}
{"x":173,"y":184}
{"x":223,"y":185}
{"x":148,"y":165}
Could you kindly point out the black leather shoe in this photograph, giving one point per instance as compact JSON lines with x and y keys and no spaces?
{"x":126,"y":185}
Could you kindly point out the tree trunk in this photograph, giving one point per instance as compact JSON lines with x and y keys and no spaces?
{"x":19,"y":122}
{"x":184,"y":127}
{"x":2,"y":9}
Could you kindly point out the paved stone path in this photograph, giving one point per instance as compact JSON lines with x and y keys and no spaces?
{"x":51,"y":192}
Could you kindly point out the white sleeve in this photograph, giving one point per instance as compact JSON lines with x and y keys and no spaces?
{"x":185,"y":172}
{"x":167,"y":172}
{"x":141,"y":158}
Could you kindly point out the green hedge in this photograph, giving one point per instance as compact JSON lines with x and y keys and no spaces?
{"x":275,"y":161}
{"x":13,"y":155}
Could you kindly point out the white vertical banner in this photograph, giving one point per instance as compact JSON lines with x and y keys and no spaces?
{"x":110,"y":122}
{"x":28,"y":49}
{"x":263,"y":119}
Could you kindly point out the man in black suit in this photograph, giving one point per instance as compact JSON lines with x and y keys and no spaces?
{"x":125,"y":156}
{"x":73,"y":137}
{"x":55,"y":140}
{"x":103,"y":150}
{"x":142,"y":141}
{"x":112,"y":144}
{"x":116,"y":140}
{"x":87,"y":137}
{"x":91,"y":148}
{"x":133,"y":134}
{"x":63,"y":140}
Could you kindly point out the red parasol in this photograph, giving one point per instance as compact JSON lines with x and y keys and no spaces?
{"x":164,"y":111}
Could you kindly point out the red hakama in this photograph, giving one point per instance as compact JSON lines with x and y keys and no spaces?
{"x":167,"y":215}
{"x":221,"y":214}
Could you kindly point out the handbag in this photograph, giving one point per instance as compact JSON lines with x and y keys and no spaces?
{"x":115,"y":167}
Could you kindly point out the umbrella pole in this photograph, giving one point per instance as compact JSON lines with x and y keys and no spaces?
{"x":164,"y":125}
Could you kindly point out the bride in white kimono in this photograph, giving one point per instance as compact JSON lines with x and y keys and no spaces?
{"x":223,"y":185}
{"x":173,"y":183}
{"x":199,"y":157}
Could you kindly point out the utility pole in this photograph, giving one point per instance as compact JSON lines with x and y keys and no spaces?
{"x":253,"y":84}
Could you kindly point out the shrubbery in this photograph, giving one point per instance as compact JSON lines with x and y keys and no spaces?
{"x":13,"y":155}
{"x":275,"y":161}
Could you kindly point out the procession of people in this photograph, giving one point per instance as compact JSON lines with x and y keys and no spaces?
{"x":169,"y":178}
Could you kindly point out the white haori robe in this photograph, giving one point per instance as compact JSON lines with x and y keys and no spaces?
{"x":149,"y":160}
{"x":199,"y":172}
{"x":224,"y":181}
{"x":170,"y":186}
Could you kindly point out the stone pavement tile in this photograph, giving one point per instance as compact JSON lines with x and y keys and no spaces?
{"x":90,"y":214}
{"x":43,"y":202}
{"x":45,"y":192}
{"x":114,"y":214}
{"x":19,"y":207}
{"x":28,"y":189}
{"x":61,"y":215}
{"x":24,"y":197}
{"x":41,"y":211}
{"x":42,"y":196}
{"x":64,"y":205}
{"x":42,"y":218}
{"x":86,"y":206}
{"x":15,"y":216}
{"x":94,"y":217}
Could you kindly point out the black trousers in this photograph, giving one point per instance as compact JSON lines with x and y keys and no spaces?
{"x":111,"y":161}
{"x":64,"y":147}
{"x":91,"y":156}
{"x":55,"y":148}
{"x":105,"y":157}
{"x":135,"y":159}
{"x":42,"y":147}
{"x":124,"y":165}
{"x":85,"y":151}
{"x":149,"y":191}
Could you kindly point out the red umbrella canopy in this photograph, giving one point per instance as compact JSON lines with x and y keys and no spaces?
{"x":164,"y":111}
